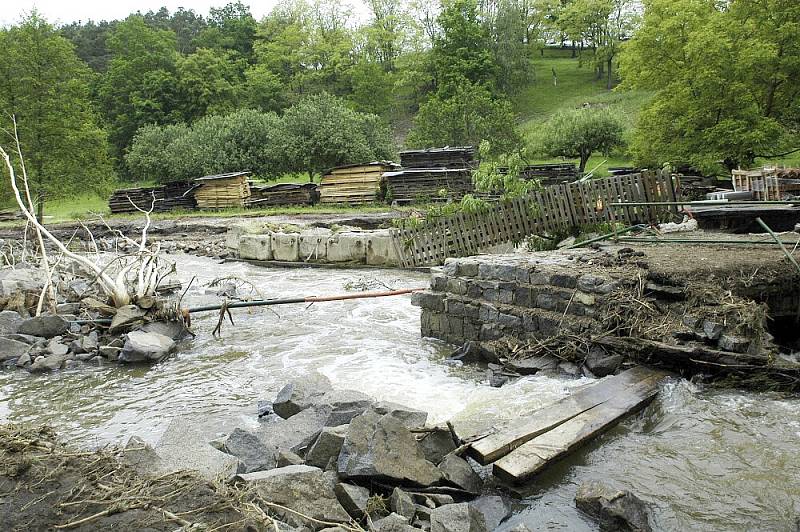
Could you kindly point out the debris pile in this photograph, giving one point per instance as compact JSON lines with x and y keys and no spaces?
{"x":172,"y":196}
{"x":282,"y":194}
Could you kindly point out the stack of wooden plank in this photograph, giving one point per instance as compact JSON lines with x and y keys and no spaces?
{"x":283,"y":194}
{"x":178,"y":195}
{"x":427,"y":184}
{"x":448,"y":157}
{"x":551,"y":174}
{"x":354,"y":184}
{"x":222,"y":191}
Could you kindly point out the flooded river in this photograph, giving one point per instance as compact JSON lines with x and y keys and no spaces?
{"x":706,"y":460}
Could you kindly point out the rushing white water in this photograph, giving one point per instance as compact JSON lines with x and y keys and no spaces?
{"x":705,"y":460}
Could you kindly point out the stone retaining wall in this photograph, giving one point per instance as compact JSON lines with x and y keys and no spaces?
{"x":316,"y":245}
{"x":485,"y":298}
{"x":530,"y":297}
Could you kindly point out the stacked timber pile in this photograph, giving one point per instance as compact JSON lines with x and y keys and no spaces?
{"x":222,"y":191}
{"x":354,"y":184}
{"x":695,"y":187}
{"x":551,"y":174}
{"x":623,"y":170}
{"x":427,"y":184}
{"x":447,"y":157}
{"x":433,"y":174}
{"x":283,"y":194}
{"x":178,"y":195}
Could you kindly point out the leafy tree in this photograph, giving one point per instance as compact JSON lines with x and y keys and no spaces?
{"x":263,"y":90}
{"x":320,"y":132}
{"x":208,"y":81}
{"x":90,"y":41}
{"x":727,"y":81}
{"x":231,"y":27}
{"x":243,"y":140}
{"x":580,"y":133}
{"x":147,"y":157}
{"x":468,"y":117}
{"x":462,"y":50}
{"x":141,"y":85}
{"x":45,"y":85}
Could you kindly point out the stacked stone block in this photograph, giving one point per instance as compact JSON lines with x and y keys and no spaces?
{"x":521,"y":296}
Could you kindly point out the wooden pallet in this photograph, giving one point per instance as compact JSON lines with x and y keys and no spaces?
{"x":528,"y":445}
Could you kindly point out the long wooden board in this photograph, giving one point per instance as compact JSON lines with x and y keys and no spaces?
{"x":536,"y":454}
{"x":497,"y":445}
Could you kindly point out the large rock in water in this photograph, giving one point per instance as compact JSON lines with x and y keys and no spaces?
{"x":301,"y":394}
{"x":304,"y":489}
{"x":495,"y":509}
{"x":316,"y":391}
{"x":459,"y":517}
{"x":173,"y":329}
{"x":12,"y":349}
{"x":614,"y":509}
{"x":382,"y":447}
{"x":126,"y":317}
{"x":49,"y":363}
{"x":46,"y":326}
{"x":142,"y":346}
{"x":296,"y":433}
{"x":457,"y":471}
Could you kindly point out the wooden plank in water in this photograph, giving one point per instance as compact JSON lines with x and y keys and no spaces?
{"x":500,"y":444}
{"x":536,"y":454}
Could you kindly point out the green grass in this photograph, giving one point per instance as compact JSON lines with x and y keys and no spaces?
{"x":576,"y":87}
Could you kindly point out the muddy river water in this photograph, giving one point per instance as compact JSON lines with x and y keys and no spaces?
{"x":705,"y":459}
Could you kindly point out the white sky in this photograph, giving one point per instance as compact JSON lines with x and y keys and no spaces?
{"x":65,"y":11}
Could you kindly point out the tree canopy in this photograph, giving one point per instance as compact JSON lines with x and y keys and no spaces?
{"x":45,"y":87}
{"x":580,"y":133}
{"x":727,"y":81}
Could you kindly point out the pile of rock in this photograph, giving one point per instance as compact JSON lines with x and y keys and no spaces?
{"x":322,"y":456}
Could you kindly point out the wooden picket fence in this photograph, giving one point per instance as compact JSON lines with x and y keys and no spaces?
{"x":549,"y":210}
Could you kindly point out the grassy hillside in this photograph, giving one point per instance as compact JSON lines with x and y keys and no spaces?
{"x":576,"y":86}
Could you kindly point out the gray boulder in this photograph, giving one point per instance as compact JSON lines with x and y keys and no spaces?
{"x":457,"y":472}
{"x":51,"y":363}
{"x":126,"y":317}
{"x":327,"y":446}
{"x":24,"y":338}
{"x":410,"y":417}
{"x":252,"y":453}
{"x":68,"y":308}
{"x":495,"y":509}
{"x":142,"y":346}
{"x":20,"y":280}
{"x":353,"y":498}
{"x":141,"y":456}
{"x":24,"y":360}
{"x":46,"y":326}
{"x":601,"y":363}
{"x":296,"y":433}
{"x":435,"y":445}
{"x":284,"y":458}
{"x":55,"y":347}
{"x":401,"y":503}
{"x":382,"y":447}
{"x":533,"y":365}
{"x":184,"y":446}
{"x":393,"y":523}
{"x":459,"y":517}
{"x":614,"y":509}
{"x":301,"y":394}
{"x":304,"y":489}
{"x":345,"y":405}
{"x":12,"y":349}
{"x":172,"y":329}
{"x":9,"y":321}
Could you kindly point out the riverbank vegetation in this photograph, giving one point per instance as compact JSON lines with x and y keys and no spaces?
{"x":163,"y":95}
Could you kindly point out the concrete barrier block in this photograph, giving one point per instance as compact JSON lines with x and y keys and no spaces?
{"x":286,"y":247}
{"x":381,"y":250}
{"x":347,"y":247}
{"x":255,"y":247}
{"x":313,"y":245}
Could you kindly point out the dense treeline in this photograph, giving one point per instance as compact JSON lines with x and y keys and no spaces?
{"x":168,"y":95}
